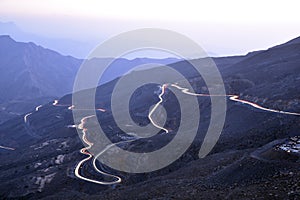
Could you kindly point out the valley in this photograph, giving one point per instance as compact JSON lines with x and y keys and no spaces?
{"x":44,"y":157}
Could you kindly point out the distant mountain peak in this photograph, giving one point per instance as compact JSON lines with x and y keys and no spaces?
{"x":290,"y":42}
{"x":5,"y":37}
{"x":293,"y":41}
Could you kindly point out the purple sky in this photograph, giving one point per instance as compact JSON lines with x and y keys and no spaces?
{"x":221,"y":27}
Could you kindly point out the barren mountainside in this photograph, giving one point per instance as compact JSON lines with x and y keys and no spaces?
{"x":255,"y":157}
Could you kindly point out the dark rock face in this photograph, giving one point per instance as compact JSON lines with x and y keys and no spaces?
{"x":30,"y":71}
{"x":245,"y":163}
{"x":31,"y":75}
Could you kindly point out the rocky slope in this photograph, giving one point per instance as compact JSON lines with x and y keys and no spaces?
{"x":246,"y":163}
{"x":31,"y":75}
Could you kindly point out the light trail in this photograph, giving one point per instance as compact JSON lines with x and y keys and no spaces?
{"x":55,"y":103}
{"x":29,"y":130}
{"x":90,"y":144}
{"x":72,"y":107}
{"x":85,"y":152}
{"x":101,"y":109}
{"x":85,"y":149}
{"x":236,"y":99}
{"x":71,"y":126}
{"x":38,"y":107}
{"x":26,"y":118}
{"x":7,"y":148}
{"x":118,"y":179}
{"x":163,"y":89}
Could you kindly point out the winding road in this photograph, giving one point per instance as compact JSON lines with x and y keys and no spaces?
{"x":90,"y":144}
{"x":235,"y":98}
{"x":38,"y":108}
{"x":85,"y":152}
{"x":28,"y":128}
{"x":118,"y":179}
{"x":7,"y":148}
{"x":26,"y":118}
{"x":163,"y":89}
{"x":30,"y":132}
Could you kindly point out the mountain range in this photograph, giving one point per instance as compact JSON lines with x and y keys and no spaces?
{"x":244,"y":164}
{"x":32,"y":75}
{"x":65,"y":46}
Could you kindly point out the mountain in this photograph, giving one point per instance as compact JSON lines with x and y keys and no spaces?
{"x":65,"y":46}
{"x":246,"y":163}
{"x":30,"y":71}
{"x":293,"y":41}
{"x":31,"y":75}
{"x":271,"y":77}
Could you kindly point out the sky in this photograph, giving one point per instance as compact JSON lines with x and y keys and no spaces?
{"x":222,"y":28}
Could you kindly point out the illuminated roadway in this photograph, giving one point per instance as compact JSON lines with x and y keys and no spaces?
{"x":7,"y":148}
{"x":90,"y":144}
{"x":85,"y":152}
{"x":163,"y":89}
{"x":236,"y":99}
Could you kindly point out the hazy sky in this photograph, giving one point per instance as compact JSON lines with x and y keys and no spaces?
{"x":224,"y":27}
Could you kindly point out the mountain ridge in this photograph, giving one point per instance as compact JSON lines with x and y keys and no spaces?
{"x":43,"y":166}
{"x":29,"y":72}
